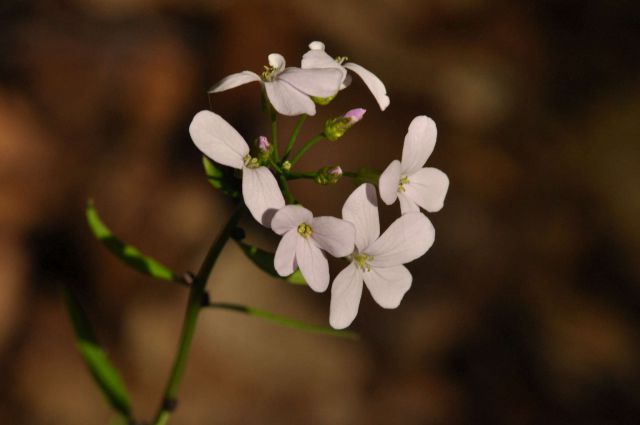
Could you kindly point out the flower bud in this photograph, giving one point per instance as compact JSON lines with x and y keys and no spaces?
{"x":329,"y":175}
{"x":263,"y":144}
{"x":286,"y":166}
{"x":336,"y":127}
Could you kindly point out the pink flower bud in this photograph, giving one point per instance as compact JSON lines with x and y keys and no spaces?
{"x":263,"y":144}
{"x":335,"y":171}
{"x":355,"y":115}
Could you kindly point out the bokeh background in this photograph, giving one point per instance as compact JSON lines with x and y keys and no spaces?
{"x":525,"y":311}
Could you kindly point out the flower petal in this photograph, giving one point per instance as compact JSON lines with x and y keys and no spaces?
{"x":406,"y":204}
{"x":374,"y":84}
{"x":234,"y":80}
{"x":333,"y":235}
{"x":346,"y":292}
{"x":388,"y":284}
{"x":285,"y":258}
{"x":389,"y":181}
{"x":418,"y":144}
{"x":408,"y":238}
{"x":313,"y":264}
{"x":218,"y":140}
{"x":315,"y":82}
{"x":428,"y":187}
{"x":361,"y":209}
{"x":289,"y":217}
{"x":261,"y":194}
{"x":276,"y":61}
{"x":318,"y":58}
{"x":287,"y":100}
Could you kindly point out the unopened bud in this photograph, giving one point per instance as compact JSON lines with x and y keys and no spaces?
{"x":329,"y":175}
{"x":336,"y":127}
{"x":286,"y":166}
{"x":263,"y":144}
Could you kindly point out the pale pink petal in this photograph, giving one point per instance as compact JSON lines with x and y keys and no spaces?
{"x":408,"y":238}
{"x":289,"y":217}
{"x":276,"y":61}
{"x":285,"y":258}
{"x":316,"y":58}
{"x":261,"y":194}
{"x":313,"y":264}
{"x":288,"y":100}
{"x":361,"y":209}
{"x":346,"y":292}
{"x":218,"y":140}
{"x":388,"y":284}
{"x":333,"y":235}
{"x":389,"y":181}
{"x":374,"y":84}
{"x":234,"y":80}
{"x":418,"y":144}
{"x":314,"y":82}
{"x":428,"y":187}
{"x":406,"y":204}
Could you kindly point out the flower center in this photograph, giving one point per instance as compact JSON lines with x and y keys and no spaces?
{"x":269,"y":73}
{"x":341,"y":59}
{"x":403,"y":181}
{"x":251,"y":162}
{"x":305,"y":230}
{"x":362,"y":261}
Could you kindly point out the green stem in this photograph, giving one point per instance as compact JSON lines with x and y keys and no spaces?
{"x":352,"y":174}
{"x":196,"y":297}
{"x":306,"y":147}
{"x":285,"y":188}
{"x":294,"y":136}
{"x":296,"y":176}
{"x":274,"y":131}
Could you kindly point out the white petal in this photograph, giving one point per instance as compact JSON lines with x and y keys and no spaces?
{"x":285,"y":258}
{"x":313,"y":264}
{"x":388,"y":284}
{"x":408,"y":238}
{"x":428,"y":187}
{"x":234,"y":80}
{"x":418,"y":144}
{"x":374,"y":84}
{"x":261,"y":194}
{"x":389,"y":181}
{"x":346,"y":292}
{"x":406,"y":204}
{"x":288,"y":100}
{"x":316,"y":45}
{"x":316,"y":58}
{"x":276,"y":60}
{"x":361,"y":209}
{"x":289,"y":217}
{"x":314,"y":82}
{"x":218,"y":140}
{"x":333,"y":235}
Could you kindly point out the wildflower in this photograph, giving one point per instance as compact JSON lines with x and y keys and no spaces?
{"x":304,"y":237}
{"x":336,"y":127}
{"x":316,"y":57}
{"x":288,"y":89}
{"x":377,"y":261}
{"x":406,"y":180}
{"x":222,"y":143}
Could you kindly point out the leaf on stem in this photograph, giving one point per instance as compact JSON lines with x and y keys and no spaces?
{"x":103,"y":372}
{"x":127,"y":253}
{"x":264,"y":261}
{"x":222,"y":178}
{"x":285,"y":321}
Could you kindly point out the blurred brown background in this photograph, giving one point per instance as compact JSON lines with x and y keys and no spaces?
{"x":525,"y":311}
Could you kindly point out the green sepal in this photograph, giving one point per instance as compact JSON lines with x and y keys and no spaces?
{"x":103,"y":372}
{"x":222,"y":178}
{"x":130,"y":255}
{"x":264,"y":261}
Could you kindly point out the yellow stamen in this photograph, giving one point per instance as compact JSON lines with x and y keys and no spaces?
{"x":305,"y":230}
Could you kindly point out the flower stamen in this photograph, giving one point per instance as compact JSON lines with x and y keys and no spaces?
{"x":341,"y":59}
{"x":251,"y":162}
{"x":305,"y":230}
{"x":362,"y":261}
{"x":404,"y":180}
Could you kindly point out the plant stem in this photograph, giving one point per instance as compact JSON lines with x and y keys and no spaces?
{"x":196,"y":297}
{"x":306,"y":147}
{"x":285,"y":188}
{"x":294,"y":136}
{"x":296,"y":176}
{"x":274,"y":131}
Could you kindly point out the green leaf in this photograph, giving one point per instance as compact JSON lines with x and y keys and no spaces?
{"x":264,"y":260}
{"x":103,"y":372}
{"x":285,"y":321}
{"x":127,"y":253}
{"x":222,"y":178}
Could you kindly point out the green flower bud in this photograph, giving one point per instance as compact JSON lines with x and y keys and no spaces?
{"x":336,"y":127}
{"x":329,"y":175}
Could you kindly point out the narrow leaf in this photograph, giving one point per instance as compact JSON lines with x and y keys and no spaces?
{"x":222,"y":178}
{"x":285,"y":321}
{"x":127,"y":253}
{"x":264,"y":260}
{"x":103,"y":372}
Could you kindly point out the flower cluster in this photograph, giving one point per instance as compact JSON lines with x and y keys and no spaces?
{"x":374,"y":259}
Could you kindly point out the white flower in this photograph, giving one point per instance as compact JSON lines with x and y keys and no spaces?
{"x":406,"y":180}
{"x":304,"y":238}
{"x":218,"y":140}
{"x":316,"y":57}
{"x":377,"y":260}
{"x":288,"y":89}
